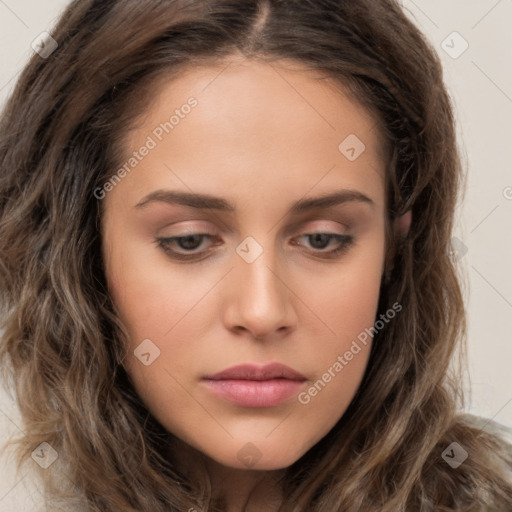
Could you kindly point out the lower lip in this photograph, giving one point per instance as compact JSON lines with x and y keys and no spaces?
{"x":254,"y":393}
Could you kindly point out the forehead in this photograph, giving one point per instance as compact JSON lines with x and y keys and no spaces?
{"x":255,"y":125}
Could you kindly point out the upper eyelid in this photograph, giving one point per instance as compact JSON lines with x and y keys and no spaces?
{"x":213,"y":235}
{"x":298,"y":226}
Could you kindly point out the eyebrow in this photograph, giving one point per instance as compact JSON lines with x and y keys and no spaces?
{"x":209,"y":202}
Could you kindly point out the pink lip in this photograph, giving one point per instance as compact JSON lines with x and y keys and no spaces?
{"x":253,"y":372}
{"x":253,"y":386}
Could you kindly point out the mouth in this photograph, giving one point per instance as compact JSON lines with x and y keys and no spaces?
{"x":253,"y":386}
{"x":257,"y":373}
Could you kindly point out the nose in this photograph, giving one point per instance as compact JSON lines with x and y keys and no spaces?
{"x":260,"y":300}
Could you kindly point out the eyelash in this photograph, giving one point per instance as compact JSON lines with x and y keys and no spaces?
{"x":345,"y":242}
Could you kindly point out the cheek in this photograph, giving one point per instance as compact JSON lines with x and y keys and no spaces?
{"x":347,"y":299}
{"x":347,"y":305}
{"x":149,"y":295}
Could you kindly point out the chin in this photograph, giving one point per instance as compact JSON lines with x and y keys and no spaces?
{"x":252,"y":458}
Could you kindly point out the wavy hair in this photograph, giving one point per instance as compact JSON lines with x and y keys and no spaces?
{"x":62,"y":344}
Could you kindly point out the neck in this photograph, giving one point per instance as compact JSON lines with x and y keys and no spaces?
{"x":233,"y":489}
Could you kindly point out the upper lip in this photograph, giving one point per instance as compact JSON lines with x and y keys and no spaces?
{"x":253,"y":372}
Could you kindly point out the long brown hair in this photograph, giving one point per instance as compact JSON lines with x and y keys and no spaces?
{"x":63,"y":344}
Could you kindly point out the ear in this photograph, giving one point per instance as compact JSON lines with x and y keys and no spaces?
{"x":402,"y":224}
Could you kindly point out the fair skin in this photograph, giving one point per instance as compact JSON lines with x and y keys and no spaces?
{"x":262,"y":137}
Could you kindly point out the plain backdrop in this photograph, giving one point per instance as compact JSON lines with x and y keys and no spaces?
{"x":474,"y":41}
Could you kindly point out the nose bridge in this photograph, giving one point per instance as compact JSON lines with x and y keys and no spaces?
{"x":260,"y":296}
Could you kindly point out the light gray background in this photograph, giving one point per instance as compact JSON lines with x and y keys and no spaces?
{"x":480,"y":82}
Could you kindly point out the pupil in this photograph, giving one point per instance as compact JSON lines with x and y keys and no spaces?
{"x":185,"y":241}
{"x":320,"y":236}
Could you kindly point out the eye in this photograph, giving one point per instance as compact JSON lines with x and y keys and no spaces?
{"x":320,"y":241}
{"x":187,"y":245}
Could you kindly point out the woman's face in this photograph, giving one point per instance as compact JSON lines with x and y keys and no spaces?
{"x":258,"y":287}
